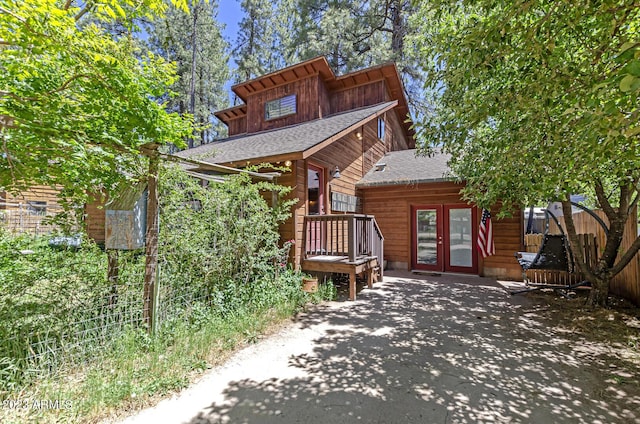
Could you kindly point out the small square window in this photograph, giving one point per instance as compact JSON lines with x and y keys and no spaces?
{"x":35,"y":207}
{"x":280,"y":107}
{"x":381,"y":129}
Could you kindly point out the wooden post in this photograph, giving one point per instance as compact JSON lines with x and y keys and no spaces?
{"x":351,"y":237}
{"x":151,"y":251}
{"x":352,"y":285}
{"x":381,"y":261}
{"x":112,"y":275}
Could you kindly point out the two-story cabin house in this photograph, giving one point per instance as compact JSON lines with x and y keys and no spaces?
{"x":349,"y":146}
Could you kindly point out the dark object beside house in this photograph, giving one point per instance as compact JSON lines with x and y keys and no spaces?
{"x":554,"y":255}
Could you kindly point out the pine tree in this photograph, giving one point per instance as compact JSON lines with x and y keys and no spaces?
{"x":194,"y":42}
{"x":351,"y":34}
{"x":258,"y":42}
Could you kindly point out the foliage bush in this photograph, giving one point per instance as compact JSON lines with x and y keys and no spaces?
{"x":220,"y":262}
{"x":219,"y":243}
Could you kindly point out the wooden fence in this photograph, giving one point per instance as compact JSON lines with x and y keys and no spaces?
{"x":626,"y":284}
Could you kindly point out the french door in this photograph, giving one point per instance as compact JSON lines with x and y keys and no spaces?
{"x":443,"y":238}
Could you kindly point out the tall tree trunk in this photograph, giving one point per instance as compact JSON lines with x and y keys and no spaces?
{"x":599,"y":294}
{"x":598,"y":277}
{"x":192,"y":85}
{"x":399,"y":29}
{"x":606,"y":267}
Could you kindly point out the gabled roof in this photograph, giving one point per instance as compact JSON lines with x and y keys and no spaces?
{"x":404,"y":167}
{"x":320,"y":66}
{"x":293,"y":142}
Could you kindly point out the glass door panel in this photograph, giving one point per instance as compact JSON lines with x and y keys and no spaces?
{"x":460,"y":238}
{"x":427,"y":237}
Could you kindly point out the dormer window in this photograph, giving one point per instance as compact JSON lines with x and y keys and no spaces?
{"x":280,"y":107}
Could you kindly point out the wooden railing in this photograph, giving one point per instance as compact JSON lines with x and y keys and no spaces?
{"x":354,"y":236}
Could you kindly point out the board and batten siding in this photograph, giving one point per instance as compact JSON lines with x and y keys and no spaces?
{"x":391,"y":206}
{"x":307,"y":106}
{"x":358,"y":96}
{"x":394,"y":133}
{"x":237,"y":126}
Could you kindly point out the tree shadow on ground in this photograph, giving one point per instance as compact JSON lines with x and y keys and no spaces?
{"x":423,"y":351}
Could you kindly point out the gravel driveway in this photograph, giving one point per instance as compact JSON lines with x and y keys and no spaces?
{"x":435,"y":349}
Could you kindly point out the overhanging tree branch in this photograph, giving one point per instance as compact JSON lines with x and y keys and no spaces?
{"x":10,"y":13}
{"x":63,"y":87}
{"x":603,"y":201}
{"x":87,"y":7}
{"x":626,"y":257}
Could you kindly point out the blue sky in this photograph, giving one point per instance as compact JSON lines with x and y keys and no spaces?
{"x":230,"y":13}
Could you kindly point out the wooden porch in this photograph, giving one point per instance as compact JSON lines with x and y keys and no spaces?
{"x":345,"y":244}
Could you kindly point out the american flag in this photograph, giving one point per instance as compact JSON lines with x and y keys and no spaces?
{"x":485,"y":235}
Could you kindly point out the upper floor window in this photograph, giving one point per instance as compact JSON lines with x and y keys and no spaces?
{"x":381,"y":128}
{"x":280,"y":107}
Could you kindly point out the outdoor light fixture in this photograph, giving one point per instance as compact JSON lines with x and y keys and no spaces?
{"x":336,"y":172}
{"x":287,"y":163}
{"x":359,"y":135}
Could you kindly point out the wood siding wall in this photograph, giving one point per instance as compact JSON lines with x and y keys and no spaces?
{"x":237,"y":126}
{"x":508,"y":234}
{"x":307,"y":107}
{"x":35,"y":193}
{"x":21,"y":215}
{"x":324,"y":103}
{"x":395,"y":137}
{"x":353,"y":157}
{"x":391,"y":206}
{"x":292,"y":228}
{"x":94,"y":216}
{"x":18,"y":218}
{"x":353,"y":98}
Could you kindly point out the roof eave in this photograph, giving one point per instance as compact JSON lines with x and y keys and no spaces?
{"x":406,"y":182}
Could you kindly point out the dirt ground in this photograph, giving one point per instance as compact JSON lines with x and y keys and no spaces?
{"x":427,"y":349}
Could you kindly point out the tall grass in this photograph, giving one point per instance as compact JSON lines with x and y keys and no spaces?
{"x":138,"y":368}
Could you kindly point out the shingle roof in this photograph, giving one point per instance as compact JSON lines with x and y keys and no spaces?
{"x":404,"y":167}
{"x":291,"y":139}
